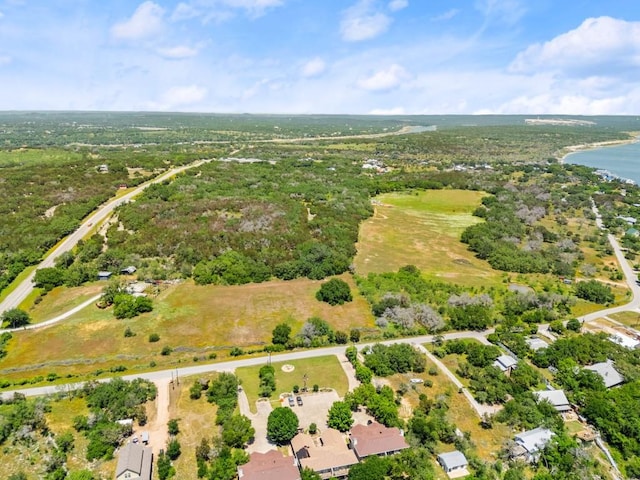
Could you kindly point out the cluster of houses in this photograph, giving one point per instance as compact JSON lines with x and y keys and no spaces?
{"x":376,"y":165}
{"x":329,"y":454}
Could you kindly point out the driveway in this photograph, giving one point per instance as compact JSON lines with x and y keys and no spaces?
{"x":258,"y":421}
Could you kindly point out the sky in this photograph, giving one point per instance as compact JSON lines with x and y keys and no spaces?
{"x":322,"y":56}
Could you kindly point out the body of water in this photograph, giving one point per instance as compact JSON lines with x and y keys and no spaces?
{"x":621,"y":160}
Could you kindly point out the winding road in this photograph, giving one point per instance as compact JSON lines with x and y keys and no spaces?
{"x":24,"y":289}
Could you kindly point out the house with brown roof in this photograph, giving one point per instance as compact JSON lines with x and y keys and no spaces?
{"x":376,"y":439}
{"x":327,"y":454}
{"x":134,"y":462}
{"x":271,"y":465}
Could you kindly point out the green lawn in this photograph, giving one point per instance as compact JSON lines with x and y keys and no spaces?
{"x":326,"y":372}
{"x":423,"y":229}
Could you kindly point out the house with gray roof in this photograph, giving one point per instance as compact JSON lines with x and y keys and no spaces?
{"x":607,"y":371}
{"x":556,"y":398}
{"x":134,"y":462}
{"x":536,"y":343}
{"x":454,"y":463}
{"x":529,"y":443}
{"x":505,"y":363}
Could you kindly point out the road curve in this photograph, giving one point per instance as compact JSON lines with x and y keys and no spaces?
{"x":230,"y":366}
{"x":25,"y":287}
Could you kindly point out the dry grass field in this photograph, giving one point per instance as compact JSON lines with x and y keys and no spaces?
{"x":423,"y":229}
{"x":193,"y":320}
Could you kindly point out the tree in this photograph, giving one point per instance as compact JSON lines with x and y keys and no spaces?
{"x":594,"y":291}
{"x":81,"y":475}
{"x":173,"y":449}
{"x":334,"y":292}
{"x":372,"y":468}
{"x":65,"y":441}
{"x":308,"y":474}
{"x":172,"y":427}
{"x":354,"y":335}
{"x":574,"y":325}
{"x":237,"y":431}
{"x":340,"y":416}
{"x":15,"y":318}
{"x":282,"y":425}
{"x":341,"y":337}
{"x":48,"y":278}
{"x":281,"y":334}
{"x":165,"y":470}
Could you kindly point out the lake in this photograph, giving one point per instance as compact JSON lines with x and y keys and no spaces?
{"x":621,"y":160}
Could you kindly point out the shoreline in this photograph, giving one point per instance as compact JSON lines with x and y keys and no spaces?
{"x":594,"y":146}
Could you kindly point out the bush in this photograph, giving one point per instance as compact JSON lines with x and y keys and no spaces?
{"x":334,"y":292}
{"x":296,"y":389}
{"x":316,"y":387}
{"x":154,"y":337}
{"x":128,"y":333}
{"x":166,"y":350}
{"x":236,"y":352}
{"x":313,"y":428}
{"x":574,"y":325}
{"x":195,"y":392}
{"x":594,"y":291}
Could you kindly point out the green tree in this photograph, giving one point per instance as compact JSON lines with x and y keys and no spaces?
{"x":48,"y":278}
{"x":594,"y":291}
{"x":281,"y":334}
{"x":340,"y":416}
{"x":237,"y":431}
{"x":165,"y":470}
{"x":14,"y":318}
{"x":81,"y":475}
{"x":373,"y":467}
{"x":334,"y":292}
{"x":65,"y":441}
{"x":574,"y":325}
{"x":354,"y":335}
{"x":308,"y":474}
{"x":282,"y":425}
{"x":172,"y":427}
{"x":173,"y":449}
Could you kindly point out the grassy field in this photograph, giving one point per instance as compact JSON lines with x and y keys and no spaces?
{"x":324,"y":371}
{"x":196,"y":419}
{"x":423,"y":229}
{"x":193,"y":320}
{"x":487,"y":441}
{"x":631,"y":319}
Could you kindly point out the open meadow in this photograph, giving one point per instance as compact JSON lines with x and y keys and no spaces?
{"x":423,"y":229}
{"x":194,"y":321}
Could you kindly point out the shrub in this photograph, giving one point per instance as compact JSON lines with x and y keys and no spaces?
{"x":154,"y":337}
{"x":128,"y":333}
{"x":313,"y":428}
{"x":334,"y":292}
{"x":236,"y":352}
{"x":166,"y":350}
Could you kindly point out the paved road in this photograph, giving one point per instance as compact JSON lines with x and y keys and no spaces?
{"x":230,"y":366}
{"x":23,"y":290}
{"x":57,"y":319}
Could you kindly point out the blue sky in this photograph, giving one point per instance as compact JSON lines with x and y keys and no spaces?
{"x":322,"y":56}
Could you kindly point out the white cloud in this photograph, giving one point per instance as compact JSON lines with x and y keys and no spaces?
{"x":448,"y":15}
{"x":314,"y":67}
{"x":387,"y":79}
{"x":362,"y":22}
{"x":395,"y":5}
{"x":5,"y":60}
{"x":145,"y":22}
{"x":388,"y":111}
{"x":184,"y":11}
{"x":178,"y":52}
{"x":182,"y":96}
{"x":602,"y":43}
{"x":222,"y":10}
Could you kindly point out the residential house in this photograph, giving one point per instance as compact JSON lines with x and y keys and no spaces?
{"x":271,"y":465}
{"x":104,"y":275}
{"x":506,"y":363}
{"x":625,"y":340}
{"x":327,"y":454}
{"x":376,"y":439}
{"x":454,"y":463}
{"x":134,"y":462}
{"x":529,"y":443}
{"x":556,"y":398}
{"x":536,"y":343}
{"x":609,"y":374}
{"x":130,"y":270}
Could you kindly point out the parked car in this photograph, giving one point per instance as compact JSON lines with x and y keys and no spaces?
{"x":299,"y":400}
{"x":291,"y":402}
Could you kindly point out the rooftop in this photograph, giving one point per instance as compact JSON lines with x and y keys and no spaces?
{"x":375,"y":439}
{"x":505,"y":362}
{"x":451,"y":460}
{"x":329,"y":450}
{"x":271,"y":465}
{"x":534,"y":440}
{"x":607,"y":371}
{"x":135,"y":458}
{"x":536,"y":343}
{"x":557,"y":398}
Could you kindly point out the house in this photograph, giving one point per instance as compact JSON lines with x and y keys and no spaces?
{"x":625,"y":340}
{"x":536,"y":343}
{"x":529,"y":443}
{"x":271,"y":465}
{"x":632,"y":232}
{"x":130,"y":270}
{"x":505,"y":363}
{"x":104,"y":275}
{"x":376,"y":439}
{"x":556,"y":398}
{"x":609,"y":374}
{"x":134,"y":462}
{"x":104,"y":168}
{"x":328,"y":454}
{"x":454,"y":463}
